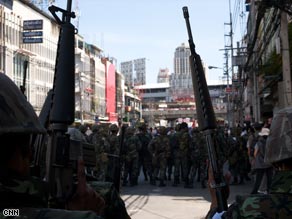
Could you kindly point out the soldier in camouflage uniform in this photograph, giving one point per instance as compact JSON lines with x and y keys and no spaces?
{"x":145,"y":158}
{"x":160,"y":150}
{"x":112,"y":152}
{"x":94,"y":132}
{"x":278,"y":203}
{"x":100,"y":141}
{"x":174,"y":144}
{"x":18,"y":189}
{"x":184,"y":152}
{"x":199,"y":157}
{"x":131,"y":149}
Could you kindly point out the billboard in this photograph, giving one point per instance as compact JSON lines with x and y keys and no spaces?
{"x":111,"y":91}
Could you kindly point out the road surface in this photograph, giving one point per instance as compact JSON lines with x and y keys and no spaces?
{"x":152,"y":202}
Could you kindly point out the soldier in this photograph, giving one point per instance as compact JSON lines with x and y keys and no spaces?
{"x":18,"y":122}
{"x":160,"y":150}
{"x":184,"y":151}
{"x":100,"y":141}
{"x":170,"y":160}
{"x":132,"y":146}
{"x":174,"y":144}
{"x":112,"y":152}
{"x":83,"y":129}
{"x":199,"y":157}
{"x":278,"y":203}
{"x":145,"y":159}
{"x":94,"y":132}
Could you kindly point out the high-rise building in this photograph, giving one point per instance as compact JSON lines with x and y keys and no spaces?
{"x":181,"y":80}
{"x":181,"y":86}
{"x":134,"y":71}
{"x":163,"y":75}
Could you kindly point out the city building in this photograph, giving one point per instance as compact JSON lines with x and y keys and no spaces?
{"x":133,"y":107}
{"x":28,"y":35}
{"x":28,"y":49}
{"x":181,"y":86}
{"x":134,"y":71}
{"x":158,"y":105}
{"x":163,"y":75}
{"x":266,"y":73}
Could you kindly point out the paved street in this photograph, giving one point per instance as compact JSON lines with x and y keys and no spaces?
{"x":152,"y":202}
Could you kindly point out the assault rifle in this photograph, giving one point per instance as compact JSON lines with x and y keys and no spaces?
{"x":59,"y":173}
{"x":206,"y":117}
{"x":118,"y":169}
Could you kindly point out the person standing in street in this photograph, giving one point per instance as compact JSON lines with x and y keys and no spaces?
{"x":277,"y":204}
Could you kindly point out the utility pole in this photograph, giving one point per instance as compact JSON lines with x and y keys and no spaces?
{"x":230,"y":113}
{"x":232,"y":70}
{"x":226,"y":72}
{"x":285,"y":60}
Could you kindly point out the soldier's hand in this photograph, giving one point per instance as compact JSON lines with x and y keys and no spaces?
{"x":85,"y":197}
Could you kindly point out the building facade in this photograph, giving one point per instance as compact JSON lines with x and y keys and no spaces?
{"x":163,"y":75}
{"x":181,"y":79}
{"x":30,"y":36}
{"x":134,"y":71}
{"x":267,"y":72}
{"x":38,"y":52}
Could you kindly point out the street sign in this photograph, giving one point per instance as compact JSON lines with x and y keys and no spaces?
{"x":33,"y":25}
{"x":228,"y":89}
{"x":32,"y":40}
{"x":32,"y":34}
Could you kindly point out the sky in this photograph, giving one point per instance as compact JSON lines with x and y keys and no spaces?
{"x":153,"y":29}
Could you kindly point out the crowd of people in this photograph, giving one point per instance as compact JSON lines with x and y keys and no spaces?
{"x":178,"y":154}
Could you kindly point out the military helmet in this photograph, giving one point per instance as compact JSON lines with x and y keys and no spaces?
{"x":16,"y":113}
{"x":113,"y":128}
{"x":95,"y":127}
{"x":162,"y":130}
{"x":130,"y":131}
{"x":279,"y":142}
{"x":82,"y":128}
{"x":141,"y":126}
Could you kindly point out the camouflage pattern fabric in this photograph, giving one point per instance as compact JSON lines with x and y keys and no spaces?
{"x":199,"y":156}
{"x":18,"y":192}
{"x":132,"y":146}
{"x":100,"y":142}
{"x":112,"y":152}
{"x":184,"y":153}
{"x":115,"y":206}
{"x":176,"y":155}
{"x":160,"y":149}
{"x":29,"y":196}
{"x":145,"y":158}
{"x":277,"y":204}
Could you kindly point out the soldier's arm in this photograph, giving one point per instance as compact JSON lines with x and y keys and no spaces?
{"x":85,"y":197}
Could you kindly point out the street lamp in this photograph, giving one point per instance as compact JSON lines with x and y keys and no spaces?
{"x":226,"y":74}
{"x":213,"y":67}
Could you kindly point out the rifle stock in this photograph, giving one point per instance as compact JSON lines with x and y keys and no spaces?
{"x":206,"y":116}
{"x":117,"y":178}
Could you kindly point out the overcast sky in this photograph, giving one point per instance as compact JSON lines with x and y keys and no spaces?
{"x":152,"y":29}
